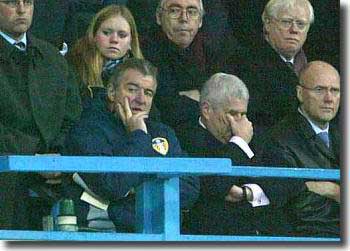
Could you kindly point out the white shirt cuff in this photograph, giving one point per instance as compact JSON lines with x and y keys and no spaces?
{"x":259,"y":197}
{"x":243,"y":145}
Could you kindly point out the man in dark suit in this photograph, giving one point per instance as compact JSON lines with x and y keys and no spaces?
{"x":271,"y":68}
{"x":307,"y":138}
{"x":223,"y":130}
{"x":39,"y":102}
{"x":183,"y":56}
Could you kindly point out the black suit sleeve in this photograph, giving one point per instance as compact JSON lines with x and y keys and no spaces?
{"x":279,"y":190}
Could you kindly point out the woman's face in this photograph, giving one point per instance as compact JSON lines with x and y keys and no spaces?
{"x":113,"y":38}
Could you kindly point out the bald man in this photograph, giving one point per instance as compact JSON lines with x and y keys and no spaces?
{"x":308,"y":139}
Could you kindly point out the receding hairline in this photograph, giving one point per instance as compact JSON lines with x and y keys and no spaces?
{"x":277,"y":5}
{"x":319,"y":67}
{"x":161,"y":4}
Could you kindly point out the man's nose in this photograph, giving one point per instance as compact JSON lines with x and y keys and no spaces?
{"x":184,"y":15}
{"x":20,"y":8}
{"x":328,"y":96}
{"x":140,"y":97}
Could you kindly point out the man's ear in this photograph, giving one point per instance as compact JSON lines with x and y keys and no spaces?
{"x":299,"y":93}
{"x":201,"y":22}
{"x":111,"y":93}
{"x":205,"y":110}
{"x":158,"y":18}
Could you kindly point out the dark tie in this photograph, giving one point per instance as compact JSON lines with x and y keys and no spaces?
{"x":20,"y":45}
{"x":324,"y":137}
{"x":290,"y":65}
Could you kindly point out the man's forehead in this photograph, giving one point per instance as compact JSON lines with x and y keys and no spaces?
{"x":184,"y":3}
{"x":236,"y":105}
{"x":299,"y":11}
{"x":136,"y":77}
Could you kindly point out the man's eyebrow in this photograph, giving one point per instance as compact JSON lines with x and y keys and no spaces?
{"x":133,"y":84}
{"x":179,"y":6}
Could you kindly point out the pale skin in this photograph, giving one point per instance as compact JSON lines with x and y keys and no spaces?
{"x":327,"y":189}
{"x":132,"y":121}
{"x":133,"y":98}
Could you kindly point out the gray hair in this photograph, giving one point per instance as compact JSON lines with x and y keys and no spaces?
{"x":161,"y":4}
{"x":221,"y":87}
{"x":274,"y":6}
{"x":141,"y":65}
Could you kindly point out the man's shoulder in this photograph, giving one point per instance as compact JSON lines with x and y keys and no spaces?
{"x":45,"y":48}
{"x":290,"y":130}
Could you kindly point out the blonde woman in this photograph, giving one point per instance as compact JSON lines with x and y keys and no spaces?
{"x":110,"y":38}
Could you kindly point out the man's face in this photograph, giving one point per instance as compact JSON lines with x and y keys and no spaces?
{"x":15,"y":19}
{"x":288,"y":31}
{"x":319,"y":95}
{"x":217,"y":122}
{"x":113,"y":38}
{"x":180,"y":30}
{"x":138,"y":89}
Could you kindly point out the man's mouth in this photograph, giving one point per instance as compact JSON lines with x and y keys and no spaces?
{"x":21,"y":20}
{"x":136,"y":109}
{"x":327,"y":109}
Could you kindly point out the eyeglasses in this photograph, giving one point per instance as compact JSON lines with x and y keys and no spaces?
{"x":176,"y":12}
{"x":15,"y":3}
{"x":321,"y":91}
{"x":286,"y":23}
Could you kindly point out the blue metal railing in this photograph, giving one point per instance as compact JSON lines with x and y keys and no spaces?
{"x":157,"y":210}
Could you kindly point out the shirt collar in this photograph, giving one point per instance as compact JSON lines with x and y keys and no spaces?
{"x":13,"y":41}
{"x":201,"y":123}
{"x":315,"y":128}
{"x":285,"y":60}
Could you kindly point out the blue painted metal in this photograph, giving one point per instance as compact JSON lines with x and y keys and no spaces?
{"x":171,"y":209}
{"x":149,"y":207}
{"x":242,"y":238}
{"x":76,"y":236}
{"x":158,"y":210}
{"x":310,"y":173}
{"x":162,"y":166}
{"x":89,"y":236}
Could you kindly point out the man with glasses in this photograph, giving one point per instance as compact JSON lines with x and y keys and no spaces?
{"x":39,"y":103}
{"x":271,"y":68}
{"x":180,"y":51}
{"x":308,"y":138}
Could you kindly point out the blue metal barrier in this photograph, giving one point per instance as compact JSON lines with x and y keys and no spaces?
{"x":157,"y":210}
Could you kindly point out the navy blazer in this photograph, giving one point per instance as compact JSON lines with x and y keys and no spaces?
{"x":101,"y":133}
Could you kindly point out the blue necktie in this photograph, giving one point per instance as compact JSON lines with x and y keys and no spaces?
{"x":324,"y":137}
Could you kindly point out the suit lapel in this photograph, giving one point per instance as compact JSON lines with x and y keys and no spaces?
{"x":317,"y":146}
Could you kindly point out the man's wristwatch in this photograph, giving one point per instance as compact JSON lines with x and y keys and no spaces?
{"x":247,"y":194}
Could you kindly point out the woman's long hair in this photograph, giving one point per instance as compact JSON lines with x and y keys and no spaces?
{"x":86,"y":57}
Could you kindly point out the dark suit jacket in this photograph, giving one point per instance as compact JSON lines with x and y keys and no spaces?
{"x":293,"y":143}
{"x":212,"y":214}
{"x":39,"y":101}
{"x":271,"y":84}
{"x":179,"y":70}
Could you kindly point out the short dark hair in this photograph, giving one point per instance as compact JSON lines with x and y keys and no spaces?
{"x":143,"y":66}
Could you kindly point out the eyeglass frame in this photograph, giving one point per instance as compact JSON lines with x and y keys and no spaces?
{"x":286,"y":23}
{"x":321,"y":90}
{"x":200,"y":14}
{"x":15,"y":3}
